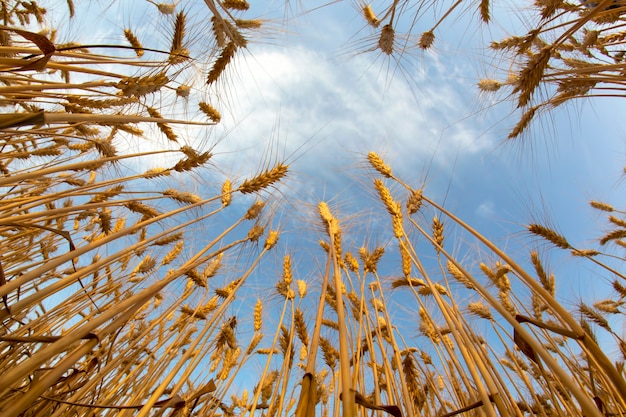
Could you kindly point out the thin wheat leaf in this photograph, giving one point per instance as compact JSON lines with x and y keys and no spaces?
{"x":524,"y":346}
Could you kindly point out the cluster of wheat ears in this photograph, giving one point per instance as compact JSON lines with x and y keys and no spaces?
{"x":112,"y":305}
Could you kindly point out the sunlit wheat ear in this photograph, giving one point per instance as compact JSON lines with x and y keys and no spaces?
{"x":210,"y":112}
{"x":213,"y":267}
{"x":414,"y":202}
{"x":531,"y":75}
{"x":287,"y":273}
{"x":386,"y":39}
{"x":165,"y":8}
{"x":192,"y":161}
{"x":546,"y":281}
{"x":523,"y":122}
{"x":351,"y":262}
{"x":230,"y":361}
{"x":197,"y":314}
{"x":608,"y":306}
{"x":549,"y":235}
{"x":329,"y":353}
{"x":285,"y":342}
{"x":484,"y":11}
{"x":330,"y":221}
{"x":300,"y":326}
{"x":255,"y":210}
{"x":258,"y":315}
{"x":147,"y":211}
{"x":156,"y":172}
{"x":219,"y":32}
{"x":272,"y":239}
{"x":437,"y":232}
{"x":393,"y":208}
{"x":221,"y":62}
{"x":210,"y":305}
{"x":182,"y":197}
{"x":178,"y":53}
{"x":370,"y":17}
{"x":595,"y":317}
{"x":145,"y":265}
{"x":196,"y":278}
{"x":142,"y":86}
{"x":267,"y":351}
{"x":418,"y":393}
{"x":255,"y":232}
{"x":330,"y":324}
{"x":228,"y":290}
{"x":370,"y":260}
{"x":480,"y":310}
{"x":183,"y":91}
{"x":407,"y":282}
{"x":405,"y":258}
{"x":613,"y":236}
{"x":426,"y":39}
{"x":497,"y":276}
{"x":227,"y":195}
{"x":617,"y":221}
{"x":166,"y":129}
{"x":459,"y":276}
{"x":226,"y":335}
{"x":505,"y":300}
{"x":134,"y":42}
{"x":236,"y":4}
{"x":488,"y":85}
{"x":248,"y":23}
{"x":264,"y":180}
{"x":283,"y":287}
{"x":379,"y":165}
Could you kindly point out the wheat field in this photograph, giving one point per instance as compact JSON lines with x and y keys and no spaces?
{"x":139,"y":290}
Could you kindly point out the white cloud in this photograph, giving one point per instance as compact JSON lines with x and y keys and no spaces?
{"x":485,"y":209}
{"x":348,"y":104}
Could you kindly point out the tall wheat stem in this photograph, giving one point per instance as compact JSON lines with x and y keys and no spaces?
{"x":348,"y":403}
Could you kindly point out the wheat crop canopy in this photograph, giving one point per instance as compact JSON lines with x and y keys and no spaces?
{"x":247,"y":208}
